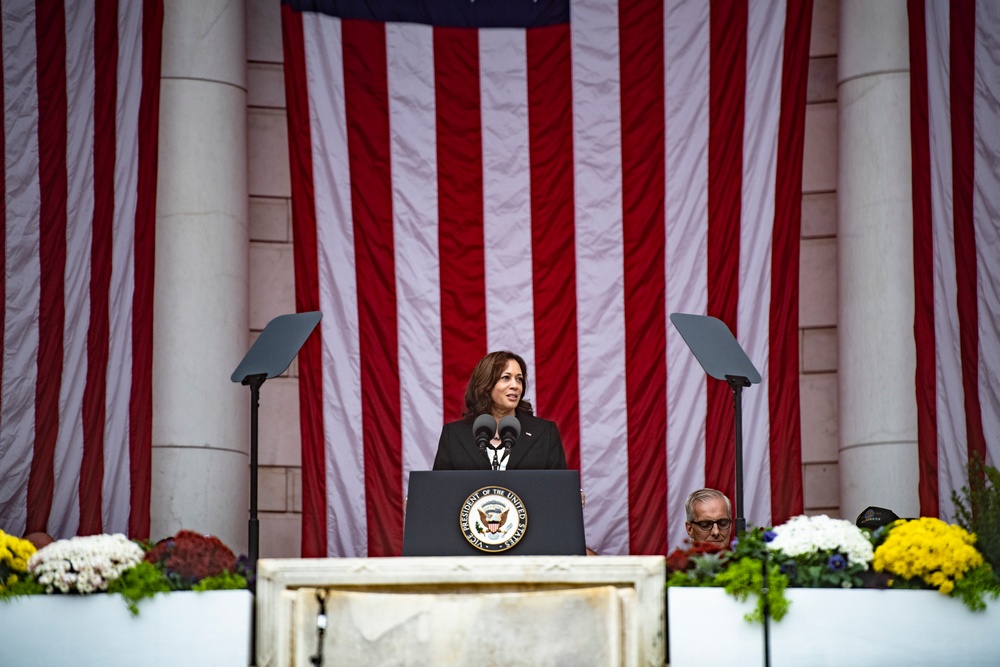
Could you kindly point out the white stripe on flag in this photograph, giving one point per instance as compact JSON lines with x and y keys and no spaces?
{"x":765,"y":38}
{"x":597,"y":173}
{"x":686,"y":38}
{"x":119,"y":379}
{"x":952,"y":456}
{"x":986,"y":208}
{"x":510,"y":316}
{"x":412,"y":123}
{"x":23,"y":202}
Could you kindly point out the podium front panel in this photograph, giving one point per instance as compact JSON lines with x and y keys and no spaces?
{"x":551,"y":500}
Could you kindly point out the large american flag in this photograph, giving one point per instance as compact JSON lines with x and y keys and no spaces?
{"x":955,"y":129}
{"x":554,"y":178}
{"x":80,"y":104}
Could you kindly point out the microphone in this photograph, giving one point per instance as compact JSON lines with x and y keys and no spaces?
{"x":509,"y":429}
{"x":483,"y":429}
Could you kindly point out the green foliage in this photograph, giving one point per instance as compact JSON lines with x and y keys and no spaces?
{"x":752,"y":544}
{"x":147,"y":579}
{"x":137,"y":583}
{"x":976,"y":585}
{"x":703,"y":570}
{"x":745,"y":577}
{"x":21,"y":585}
{"x":817,"y":571}
{"x":227,"y":581}
{"x":977,"y":509}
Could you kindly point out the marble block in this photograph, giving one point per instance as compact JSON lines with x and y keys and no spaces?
{"x":581,"y":626}
{"x":483,"y":610}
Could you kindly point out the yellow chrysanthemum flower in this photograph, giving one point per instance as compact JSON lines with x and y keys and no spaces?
{"x":930,"y":550}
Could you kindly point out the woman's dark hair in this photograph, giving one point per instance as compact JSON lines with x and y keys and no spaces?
{"x":478,"y":394}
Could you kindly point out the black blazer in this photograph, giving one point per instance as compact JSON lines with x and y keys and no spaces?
{"x":538,"y":447}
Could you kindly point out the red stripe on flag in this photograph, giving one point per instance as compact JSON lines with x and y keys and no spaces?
{"x":141,"y":398}
{"x":643,"y":192}
{"x":783,"y":345}
{"x":727,"y":94}
{"x":367,"y":105}
{"x":314,"y":537}
{"x":51,"y":53}
{"x":553,"y":241}
{"x":460,"y":210}
{"x":962,"y":90}
{"x":105,"y":95}
{"x":923,"y":265}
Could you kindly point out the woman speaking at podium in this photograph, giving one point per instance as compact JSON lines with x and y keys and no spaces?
{"x":498,"y":429}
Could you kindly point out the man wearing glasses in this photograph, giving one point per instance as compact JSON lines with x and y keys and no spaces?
{"x":709,"y":517}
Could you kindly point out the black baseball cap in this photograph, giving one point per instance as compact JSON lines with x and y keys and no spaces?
{"x":876,"y":517}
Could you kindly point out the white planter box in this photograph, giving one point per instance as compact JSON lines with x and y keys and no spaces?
{"x":182,"y":628}
{"x":854,"y":627}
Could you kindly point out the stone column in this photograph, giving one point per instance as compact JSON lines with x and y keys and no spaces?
{"x":878,"y":414}
{"x":200,"y":331}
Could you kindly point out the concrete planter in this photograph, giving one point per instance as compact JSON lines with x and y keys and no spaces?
{"x":855,"y":627}
{"x":182,"y":628}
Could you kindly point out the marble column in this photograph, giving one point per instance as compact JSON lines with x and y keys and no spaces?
{"x":200,"y":418}
{"x":878,"y":414}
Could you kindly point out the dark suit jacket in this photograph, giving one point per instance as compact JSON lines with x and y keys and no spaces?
{"x":538,"y":447}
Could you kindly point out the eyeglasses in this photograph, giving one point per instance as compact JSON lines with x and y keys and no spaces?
{"x":707,"y":525}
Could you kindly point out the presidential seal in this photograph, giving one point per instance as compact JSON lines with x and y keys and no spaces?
{"x":493,"y":519}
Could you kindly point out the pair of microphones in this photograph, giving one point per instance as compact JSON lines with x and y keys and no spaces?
{"x":486,"y":426}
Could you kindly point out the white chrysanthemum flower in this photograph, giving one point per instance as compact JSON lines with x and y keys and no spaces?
{"x":84,"y":564}
{"x":804,"y":535}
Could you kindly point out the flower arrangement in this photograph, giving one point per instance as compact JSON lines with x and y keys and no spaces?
{"x":929,"y":553}
{"x":189,"y":557}
{"x":740,"y":570}
{"x":84,"y":564}
{"x":822,"y":552}
{"x":135,"y":570}
{"x":14,"y":555}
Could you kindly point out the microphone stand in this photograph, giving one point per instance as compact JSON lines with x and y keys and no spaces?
{"x":509,"y":428}
{"x":482,"y":430}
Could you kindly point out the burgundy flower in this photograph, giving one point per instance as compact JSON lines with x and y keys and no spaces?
{"x":192,"y":556}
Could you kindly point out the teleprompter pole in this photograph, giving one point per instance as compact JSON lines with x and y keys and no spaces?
{"x":253,"y":529}
{"x":737,"y":383}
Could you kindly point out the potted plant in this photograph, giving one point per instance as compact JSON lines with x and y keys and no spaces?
{"x":184,"y":600}
{"x":817,"y":590}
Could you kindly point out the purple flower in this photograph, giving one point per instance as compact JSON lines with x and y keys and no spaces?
{"x":769,"y":535}
{"x":836,"y":562}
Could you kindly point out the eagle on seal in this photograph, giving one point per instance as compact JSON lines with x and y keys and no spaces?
{"x":492,"y":521}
